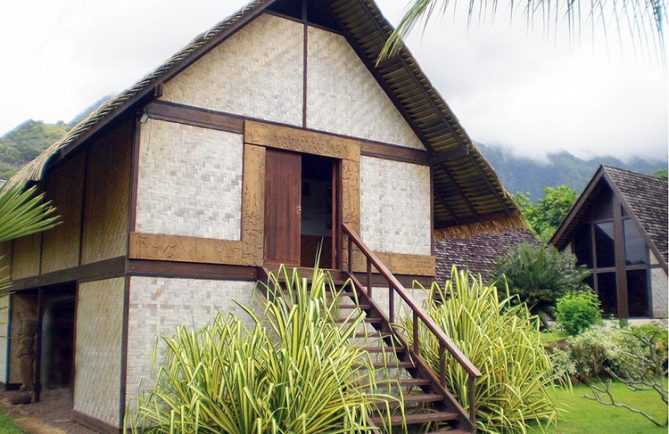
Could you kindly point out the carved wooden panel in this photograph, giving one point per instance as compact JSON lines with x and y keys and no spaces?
{"x":184,"y":249}
{"x":298,"y":140}
{"x":253,"y":204}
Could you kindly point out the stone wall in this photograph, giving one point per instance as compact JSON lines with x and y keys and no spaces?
{"x":97,"y":379}
{"x":395,"y":206}
{"x":190,"y":181}
{"x":344,"y":98}
{"x":158,"y":305}
{"x":257,"y":72}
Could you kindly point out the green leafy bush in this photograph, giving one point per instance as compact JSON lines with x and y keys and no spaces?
{"x":539,"y":275}
{"x":599,"y":348}
{"x":293,"y":371}
{"x":578,"y":311}
{"x":502,"y":339}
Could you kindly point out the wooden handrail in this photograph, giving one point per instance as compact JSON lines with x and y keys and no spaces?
{"x":418,"y":312}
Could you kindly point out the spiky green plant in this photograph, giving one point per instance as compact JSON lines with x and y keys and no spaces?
{"x":22,"y":213}
{"x":293,"y":371}
{"x":502,"y":339}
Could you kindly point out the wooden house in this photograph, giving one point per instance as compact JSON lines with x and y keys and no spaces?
{"x":618,"y":229}
{"x":268,"y":133}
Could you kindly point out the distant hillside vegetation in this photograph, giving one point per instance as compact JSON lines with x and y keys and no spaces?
{"x":27,"y":140}
{"x":524,"y":174}
{"x":24,"y":142}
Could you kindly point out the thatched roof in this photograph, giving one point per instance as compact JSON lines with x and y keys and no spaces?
{"x":466,"y":188}
{"x":644,"y":197}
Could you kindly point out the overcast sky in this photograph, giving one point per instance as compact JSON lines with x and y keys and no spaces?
{"x":524,"y":90}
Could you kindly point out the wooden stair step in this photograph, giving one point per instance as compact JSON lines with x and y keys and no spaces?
{"x":354,"y":306}
{"x":365,"y":321}
{"x":402,"y":382}
{"x":384,"y":349}
{"x":391,"y":364}
{"x":412,"y":419}
{"x":373,"y":334}
{"x":421,"y":397}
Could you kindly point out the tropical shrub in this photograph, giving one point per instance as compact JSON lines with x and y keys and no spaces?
{"x":293,"y":371}
{"x":502,"y":339}
{"x":539,"y":275}
{"x":578,"y":311}
{"x":600,"y":349}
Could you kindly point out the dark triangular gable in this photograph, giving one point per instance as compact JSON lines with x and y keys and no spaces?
{"x":607,"y":176}
{"x":466,"y":188}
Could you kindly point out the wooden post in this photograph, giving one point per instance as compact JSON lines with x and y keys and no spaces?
{"x":471,"y":388}
{"x":369,"y":278}
{"x":416,"y":346}
{"x":391,"y":303}
{"x":37,"y":384}
{"x":350,"y":254}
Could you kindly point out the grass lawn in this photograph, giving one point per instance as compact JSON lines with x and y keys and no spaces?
{"x":7,"y":425}
{"x":589,"y":417}
{"x":552,"y":336}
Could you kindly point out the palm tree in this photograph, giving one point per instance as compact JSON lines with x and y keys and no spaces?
{"x":23,"y":212}
{"x":642,"y":20}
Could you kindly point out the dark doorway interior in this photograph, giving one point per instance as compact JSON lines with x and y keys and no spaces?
{"x":57,"y":343}
{"x":318,"y":207}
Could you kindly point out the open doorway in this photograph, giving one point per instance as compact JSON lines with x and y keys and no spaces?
{"x":42,"y":341}
{"x":318,"y":211}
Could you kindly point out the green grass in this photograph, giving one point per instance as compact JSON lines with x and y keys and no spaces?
{"x":584,"y":416}
{"x":7,"y":425}
{"x":553,"y":336}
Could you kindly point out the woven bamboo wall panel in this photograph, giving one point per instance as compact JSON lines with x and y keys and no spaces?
{"x":25,"y":256}
{"x":97,"y":378}
{"x":107,"y":191}
{"x":64,"y":186}
{"x":258,"y":72}
{"x":658,"y":279}
{"x":343,"y":97}
{"x":190,"y":181}
{"x":159,"y":305}
{"x":395,"y":206}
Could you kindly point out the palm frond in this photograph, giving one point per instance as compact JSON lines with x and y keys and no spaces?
{"x":644,"y":20}
{"x":23,"y":212}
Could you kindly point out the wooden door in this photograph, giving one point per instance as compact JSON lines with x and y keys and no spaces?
{"x":283,"y":197}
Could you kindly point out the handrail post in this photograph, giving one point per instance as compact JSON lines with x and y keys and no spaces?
{"x":391,"y":303}
{"x":442,"y":363}
{"x":369,"y":277}
{"x":350,"y":254}
{"x":471,"y":387}
{"x":416,"y":345}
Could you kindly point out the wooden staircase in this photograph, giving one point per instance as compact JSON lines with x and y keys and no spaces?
{"x":401,"y":371}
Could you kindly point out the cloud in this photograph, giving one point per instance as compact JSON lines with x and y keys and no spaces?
{"x":509,"y":86}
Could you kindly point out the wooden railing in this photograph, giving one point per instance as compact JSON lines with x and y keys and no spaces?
{"x":418,"y":316}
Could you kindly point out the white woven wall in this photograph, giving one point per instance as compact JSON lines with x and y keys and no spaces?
{"x":344,"y":98}
{"x":659,"y":283}
{"x":190,"y":181}
{"x":257,"y":72}
{"x":99,"y":328}
{"x":158,"y":305}
{"x":395,"y":206}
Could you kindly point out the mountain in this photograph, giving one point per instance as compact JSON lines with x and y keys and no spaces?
{"x":524,"y":174}
{"x":27,"y":140}
{"x":24,"y":142}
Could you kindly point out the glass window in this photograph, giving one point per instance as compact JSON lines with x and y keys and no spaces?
{"x":607,"y":291}
{"x":636,"y":251}
{"x":637,"y":293}
{"x":590,"y":280}
{"x":605,"y":245}
{"x":583,"y":245}
{"x":602,"y":206}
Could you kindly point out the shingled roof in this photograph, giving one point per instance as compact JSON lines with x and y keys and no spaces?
{"x":466,"y":188}
{"x":644,"y":197}
{"x":476,"y":250}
